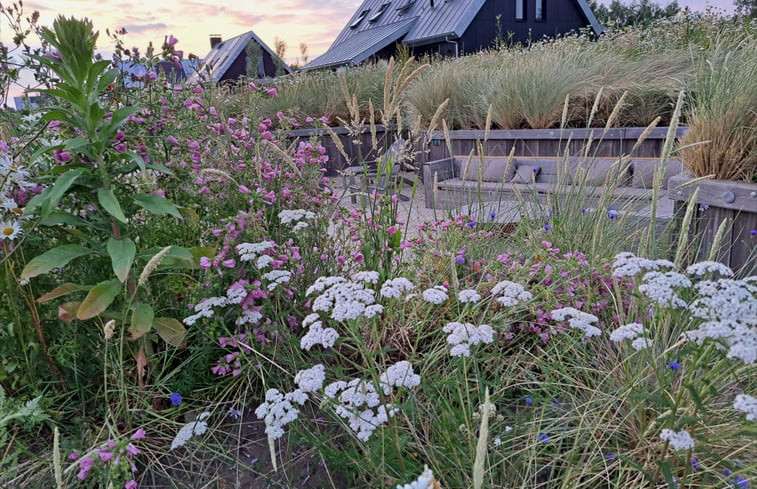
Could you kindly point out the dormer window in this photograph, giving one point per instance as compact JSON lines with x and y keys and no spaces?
{"x":359,"y":19}
{"x":380,"y":12}
{"x":404,"y":7}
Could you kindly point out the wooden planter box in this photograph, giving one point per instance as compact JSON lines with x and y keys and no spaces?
{"x":719,"y":200}
{"x":527,"y":142}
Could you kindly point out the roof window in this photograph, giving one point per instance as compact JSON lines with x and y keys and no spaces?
{"x":380,"y":12}
{"x":359,"y":18}
{"x":404,"y":7}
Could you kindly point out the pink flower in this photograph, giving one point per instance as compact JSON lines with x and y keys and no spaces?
{"x":171,"y":41}
{"x":138,"y":435}
{"x":272,"y":92}
{"x":204,"y":263}
{"x":73,"y":456}
{"x":132,"y":484}
{"x":244,"y":189}
{"x":105,"y":456}
{"x":229,"y":263}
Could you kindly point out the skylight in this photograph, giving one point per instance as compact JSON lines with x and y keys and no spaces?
{"x":359,"y":19}
{"x":380,"y":12}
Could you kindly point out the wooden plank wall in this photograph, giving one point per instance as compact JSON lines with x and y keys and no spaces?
{"x":527,"y":142}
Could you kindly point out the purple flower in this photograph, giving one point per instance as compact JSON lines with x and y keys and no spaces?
{"x":175,"y":399}
{"x":610,"y":456}
{"x":132,"y":484}
{"x":694,"y":464}
{"x":529,"y":401}
{"x":555,"y":402}
{"x":741,"y":483}
{"x":460,"y":260}
{"x":726,"y":472}
{"x":544,"y":438}
{"x":138,"y":435}
{"x":492,"y":215}
{"x":471,"y":224}
{"x":547,"y":227}
{"x":753,"y":232}
{"x":584,"y":210}
{"x":674,"y":366}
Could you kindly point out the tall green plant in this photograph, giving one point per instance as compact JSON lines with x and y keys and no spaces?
{"x":96,"y":174}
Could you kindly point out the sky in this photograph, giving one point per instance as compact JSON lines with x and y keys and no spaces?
{"x":315,"y":23}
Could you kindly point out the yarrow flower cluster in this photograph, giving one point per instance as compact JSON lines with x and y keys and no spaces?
{"x":578,"y":320}
{"x":311,"y":379}
{"x":634,"y":332}
{"x":627,"y":264}
{"x":345,"y":300}
{"x":468,"y":295}
{"x":746,"y":404}
{"x":360,"y":403}
{"x":394,"y":288}
{"x":424,"y":481}
{"x":294,"y":215}
{"x":464,"y":335}
{"x":679,"y":440}
{"x":511,"y":294}
{"x":436,"y":295}
{"x":729,"y":310}
{"x":660,"y":288}
{"x":279,"y":410}
{"x":190,"y":430}
{"x":250,"y":251}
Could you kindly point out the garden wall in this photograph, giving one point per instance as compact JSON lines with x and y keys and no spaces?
{"x":528,"y":142}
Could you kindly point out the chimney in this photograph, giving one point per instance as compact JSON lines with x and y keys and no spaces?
{"x":215,"y":40}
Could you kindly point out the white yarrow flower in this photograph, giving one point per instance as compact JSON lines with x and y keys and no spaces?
{"x":437,"y":295}
{"x":369,"y":277}
{"x":660,"y":287}
{"x":394,"y":288}
{"x":468,"y":295}
{"x":464,"y":335}
{"x":705,"y":267}
{"x":311,"y":379}
{"x":578,"y":320}
{"x":627,"y":332}
{"x":425,"y":481}
{"x":189,"y":430}
{"x":511,"y":293}
{"x":679,"y":440}
{"x":746,"y":404}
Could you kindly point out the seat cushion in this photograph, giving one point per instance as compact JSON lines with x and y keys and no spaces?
{"x":490,"y":169}
{"x":643,"y":172}
{"x":526,"y":174}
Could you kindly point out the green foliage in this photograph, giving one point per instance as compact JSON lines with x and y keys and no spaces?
{"x":638,"y":12}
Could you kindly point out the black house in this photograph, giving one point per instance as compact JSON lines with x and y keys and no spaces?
{"x":231,"y":59}
{"x":450,"y":27}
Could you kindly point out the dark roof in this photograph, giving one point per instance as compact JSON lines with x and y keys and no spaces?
{"x":363,"y":45}
{"x":222,"y":56}
{"x":427,"y":24}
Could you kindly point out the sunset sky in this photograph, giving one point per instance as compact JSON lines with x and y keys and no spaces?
{"x":313,"y":22}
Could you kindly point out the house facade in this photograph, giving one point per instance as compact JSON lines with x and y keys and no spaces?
{"x":230,"y":59}
{"x":450,"y":27}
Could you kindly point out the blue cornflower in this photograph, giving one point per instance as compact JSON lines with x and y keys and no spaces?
{"x":492,"y":215}
{"x":741,"y":483}
{"x":584,"y":210}
{"x":471,"y":224}
{"x":175,"y":399}
{"x":674,"y":366}
{"x":544,"y":438}
{"x":726,"y":472}
{"x":529,"y":401}
{"x":610,"y":456}
{"x":694,"y":464}
{"x":753,"y":232}
{"x":460,"y":259}
{"x":547,"y":227}
{"x":555,"y":402}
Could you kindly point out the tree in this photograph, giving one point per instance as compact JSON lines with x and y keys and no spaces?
{"x":638,"y":12}
{"x":280,"y":46}
{"x":746,"y":7}
{"x":254,"y":54}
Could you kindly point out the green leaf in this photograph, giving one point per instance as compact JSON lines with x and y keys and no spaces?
{"x":60,"y":291}
{"x":60,"y":187}
{"x":122,"y":253}
{"x":61,"y":217}
{"x":75,"y":143}
{"x":36,"y":201}
{"x":109,"y":202}
{"x":159,"y":168}
{"x":54,"y":258}
{"x":136,"y":159}
{"x":171,"y":330}
{"x":142,"y":317}
{"x":98,"y":299}
{"x":157,"y":205}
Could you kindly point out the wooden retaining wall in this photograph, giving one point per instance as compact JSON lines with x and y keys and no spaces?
{"x":527,"y":142}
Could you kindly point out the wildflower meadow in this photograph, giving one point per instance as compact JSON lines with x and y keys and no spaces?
{"x":187,"y":300}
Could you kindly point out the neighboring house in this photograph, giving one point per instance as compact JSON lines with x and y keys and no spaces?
{"x":32,"y":100}
{"x":230,"y":59}
{"x":450,"y":27}
{"x":173,"y":72}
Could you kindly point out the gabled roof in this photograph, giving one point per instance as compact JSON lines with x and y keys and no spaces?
{"x":446,"y":19}
{"x":362,"y":45}
{"x":222,"y":56}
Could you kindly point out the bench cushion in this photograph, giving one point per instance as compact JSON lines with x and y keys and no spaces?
{"x":490,"y":169}
{"x":643,"y":172}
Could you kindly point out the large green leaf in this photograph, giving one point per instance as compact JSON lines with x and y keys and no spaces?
{"x":142,"y":318}
{"x":122,"y":252}
{"x":157,"y":205}
{"x":109,"y":202}
{"x":60,"y":291}
{"x":60,"y":187}
{"x":54,"y":258}
{"x":61,"y":217}
{"x":171,"y":330}
{"x":98,"y":299}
